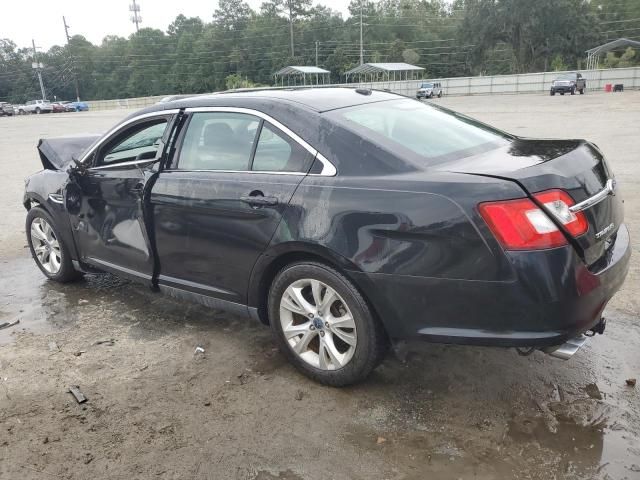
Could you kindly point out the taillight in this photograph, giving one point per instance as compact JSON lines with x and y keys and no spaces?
{"x":521,"y":225}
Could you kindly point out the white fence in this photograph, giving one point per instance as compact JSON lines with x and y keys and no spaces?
{"x":486,"y":85}
{"x":512,"y":84}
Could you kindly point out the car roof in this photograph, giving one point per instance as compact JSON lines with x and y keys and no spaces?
{"x":317,"y":99}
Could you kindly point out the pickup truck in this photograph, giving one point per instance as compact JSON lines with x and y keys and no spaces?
{"x":36,"y":106}
{"x":569,"y":83}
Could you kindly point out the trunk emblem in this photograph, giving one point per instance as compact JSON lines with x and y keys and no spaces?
{"x":605,"y":230}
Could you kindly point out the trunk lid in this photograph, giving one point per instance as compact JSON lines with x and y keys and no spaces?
{"x":575,"y":166}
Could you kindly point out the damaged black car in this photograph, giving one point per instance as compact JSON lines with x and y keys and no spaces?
{"x":344,"y":219}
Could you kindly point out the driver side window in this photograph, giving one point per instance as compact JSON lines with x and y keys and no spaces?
{"x":140,"y":142}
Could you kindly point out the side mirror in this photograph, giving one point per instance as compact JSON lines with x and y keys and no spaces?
{"x":148,"y":155}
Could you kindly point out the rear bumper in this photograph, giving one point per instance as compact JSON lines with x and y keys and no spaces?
{"x":553,"y":298}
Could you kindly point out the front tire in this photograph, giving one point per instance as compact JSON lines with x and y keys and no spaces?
{"x":323,"y":325}
{"x":47,"y":247}
{"x":38,"y":111}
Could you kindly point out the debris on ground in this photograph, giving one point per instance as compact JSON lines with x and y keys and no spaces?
{"x":8,"y":324}
{"x":207,"y":404}
{"x":631,"y":382}
{"x":198,"y":350}
{"x":110,"y":342}
{"x":593,"y":391}
{"x":299,"y":395}
{"x":79,"y":396}
{"x":53,"y":347}
{"x":79,"y":352}
{"x":380,"y":440}
{"x":88,"y":458}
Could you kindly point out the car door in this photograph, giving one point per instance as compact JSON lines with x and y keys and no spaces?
{"x":220,"y":202}
{"x":106,"y":200}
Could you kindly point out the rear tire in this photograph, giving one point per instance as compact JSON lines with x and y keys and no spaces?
{"x":573,"y":91}
{"x":323,"y":325}
{"x":47,"y":247}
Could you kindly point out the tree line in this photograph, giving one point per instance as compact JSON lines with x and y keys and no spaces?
{"x":241,"y":47}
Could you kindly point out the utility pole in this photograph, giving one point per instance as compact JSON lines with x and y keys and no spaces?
{"x":316,"y":53}
{"x":38,"y":67}
{"x":291,"y":25}
{"x":134,"y":8}
{"x":73,"y":63}
{"x":361,"y":56}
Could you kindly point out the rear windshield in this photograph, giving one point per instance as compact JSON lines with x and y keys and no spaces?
{"x":420,"y":132}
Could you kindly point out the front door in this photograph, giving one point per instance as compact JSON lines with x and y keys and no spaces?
{"x":105,"y":201}
{"x":217,"y":207}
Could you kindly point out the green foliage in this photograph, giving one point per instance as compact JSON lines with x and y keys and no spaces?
{"x":557,"y":64}
{"x":629,"y":58}
{"x":241,"y":47}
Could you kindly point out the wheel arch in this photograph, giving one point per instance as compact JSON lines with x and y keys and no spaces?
{"x":271,"y":262}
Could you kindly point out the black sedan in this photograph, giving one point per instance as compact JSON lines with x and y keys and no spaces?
{"x":345,"y":219}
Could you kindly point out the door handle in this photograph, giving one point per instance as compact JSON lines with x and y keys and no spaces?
{"x":259,"y":200}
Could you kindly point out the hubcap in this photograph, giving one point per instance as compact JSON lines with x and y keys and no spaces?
{"x":45,"y":245}
{"x":318,"y":324}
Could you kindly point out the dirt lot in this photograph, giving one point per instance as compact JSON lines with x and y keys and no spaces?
{"x":156,"y":409}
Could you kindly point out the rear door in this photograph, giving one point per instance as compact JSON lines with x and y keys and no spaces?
{"x":219,"y":203}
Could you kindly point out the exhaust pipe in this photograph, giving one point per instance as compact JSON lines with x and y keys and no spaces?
{"x":567,"y":349}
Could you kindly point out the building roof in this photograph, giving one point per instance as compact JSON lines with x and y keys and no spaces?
{"x":606,"y":47}
{"x":383,"y":67}
{"x":298,"y":70}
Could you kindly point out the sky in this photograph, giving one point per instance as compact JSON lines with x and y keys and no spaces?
{"x":41,"y":20}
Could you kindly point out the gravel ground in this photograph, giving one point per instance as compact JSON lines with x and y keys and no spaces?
{"x":156,"y":409}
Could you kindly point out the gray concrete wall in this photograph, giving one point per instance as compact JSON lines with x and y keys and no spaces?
{"x":485,"y":85}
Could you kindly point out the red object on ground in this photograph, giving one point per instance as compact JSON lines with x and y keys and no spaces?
{"x":607,"y":87}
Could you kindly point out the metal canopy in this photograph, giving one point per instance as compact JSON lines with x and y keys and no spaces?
{"x":293,"y":70}
{"x":594,"y":53}
{"x":384,"y":71}
{"x":294,"y":74}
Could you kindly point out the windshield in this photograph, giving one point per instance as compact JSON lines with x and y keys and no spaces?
{"x":426,"y":85}
{"x":420,"y":132}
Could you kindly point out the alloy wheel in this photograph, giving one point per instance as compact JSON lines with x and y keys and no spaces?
{"x":317,"y":324}
{"x":46,"y":246}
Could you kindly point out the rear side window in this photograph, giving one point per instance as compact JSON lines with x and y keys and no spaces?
{"x":218,"y":141}
{"x":276,"y":152}
{"x":239,"y":142}
{"x":424,"y":133}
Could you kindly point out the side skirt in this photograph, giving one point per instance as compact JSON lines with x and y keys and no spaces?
{"x":216,"y":303}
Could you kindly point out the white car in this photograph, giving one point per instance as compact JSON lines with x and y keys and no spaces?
{"x":429,"y":90}
{"x":37,"y":106}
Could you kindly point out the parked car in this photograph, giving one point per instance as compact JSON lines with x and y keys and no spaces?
{"x":429,"y":90}
{"x":58,"y":107}
{"x":6,"y":109}
{"x":569,"y":83}
{"x":79,"y":106}
{"x":342,"y":218}
{"x":68,"y":106}
{"x":37,"y":106}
